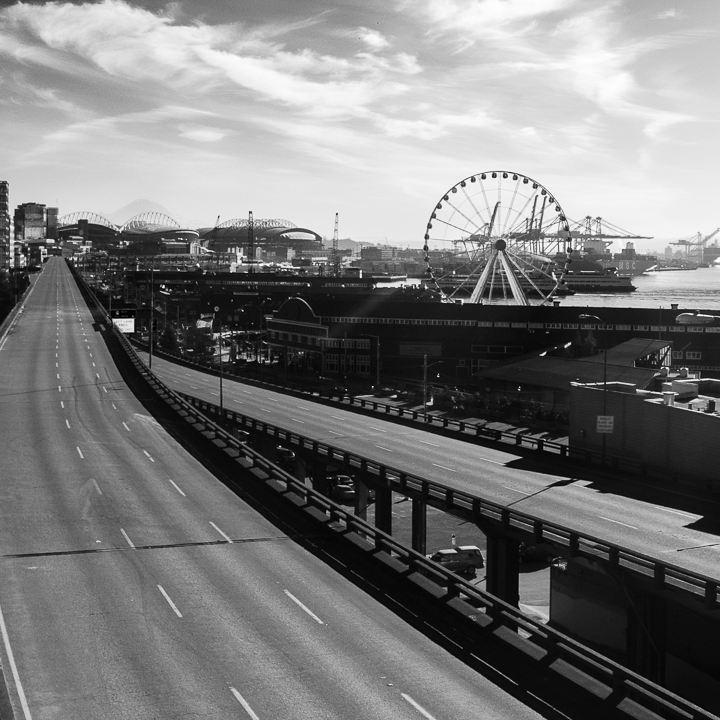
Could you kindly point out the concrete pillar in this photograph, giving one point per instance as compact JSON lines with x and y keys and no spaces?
{"x":503,"y":568}
{"x":361,"y":498}
{"x":419,"y":524}
{"x":383,"y":506}
{"x":646,"y":635}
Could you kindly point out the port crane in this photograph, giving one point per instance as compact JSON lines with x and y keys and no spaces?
{"x":698,"y":242}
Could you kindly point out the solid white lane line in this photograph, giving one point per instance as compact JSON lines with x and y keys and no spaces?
{"x":67,"y":422}
{"x":13,"y":668}
{"x":127,"y":539}
{"x":304,"y":607}
{"x":245,"y":705}
{"x":383,"y":448}
{"x":617,"y":522}
{"x":494,"y":462}
{"x":148,"y":455}
{"x":676,"y":512}
{"x":125,"y":426}
{"x":97,"y":487}
{"x":82,"y":457}
{"x":169,"y":600}
{"x":172,"y":482}
{"x":417,"y":706}
{"x":227,"y":537}
{"x":444,"y":467}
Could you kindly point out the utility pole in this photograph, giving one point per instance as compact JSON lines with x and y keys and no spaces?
{"x":335,"y":250}
{"x":251,"y":241}
{"x":152,"y":311}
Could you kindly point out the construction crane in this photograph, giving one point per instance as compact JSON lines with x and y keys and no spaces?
{"x":335,"y":250}
{"x":598,"y":227}
{"x":699,"y":242}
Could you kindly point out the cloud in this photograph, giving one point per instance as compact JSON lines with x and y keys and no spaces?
{"x":201,"y":134}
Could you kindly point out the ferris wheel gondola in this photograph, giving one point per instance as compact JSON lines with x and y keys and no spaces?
{"x":511,"y":240}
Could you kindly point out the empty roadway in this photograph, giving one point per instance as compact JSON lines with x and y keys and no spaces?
{"x":644,"y":520}
{"x":135,"y":585}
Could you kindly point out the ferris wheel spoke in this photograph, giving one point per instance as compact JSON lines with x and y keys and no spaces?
{"x":461,"y":213}
{"x":510,"y":207}
{"x":452,"y":225}
{"x":471,"y":202}
{"x":519,"y":219}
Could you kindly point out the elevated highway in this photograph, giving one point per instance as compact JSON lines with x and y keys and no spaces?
{"x":135,"y":585}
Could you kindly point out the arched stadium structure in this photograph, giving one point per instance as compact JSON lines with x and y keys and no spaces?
{"x":158,"y":233}
{"x":84,"y":226}
{"x":273,"y":235}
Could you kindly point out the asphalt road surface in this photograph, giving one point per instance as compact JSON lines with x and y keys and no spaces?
{"x":680,"y":531}
{"x":135,"y":585}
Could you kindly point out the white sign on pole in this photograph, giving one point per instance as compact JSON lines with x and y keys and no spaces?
{"x":124,"y":325}
{"x":605,"y":423}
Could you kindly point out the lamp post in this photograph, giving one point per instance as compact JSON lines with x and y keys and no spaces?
{"x":220,"y":362}
{"x":604,"y":423}
{"x":377,"y":358}
{"x":152,"y":312}
{"x":425,"y":369}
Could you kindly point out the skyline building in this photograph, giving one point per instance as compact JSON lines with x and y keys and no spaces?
{"x":6,"y":243}
{"x":35,"y":223}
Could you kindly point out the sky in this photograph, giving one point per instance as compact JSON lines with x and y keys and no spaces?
{"x":371,"y":109}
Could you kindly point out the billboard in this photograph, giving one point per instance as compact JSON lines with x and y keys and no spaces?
{"x":124,"y":324}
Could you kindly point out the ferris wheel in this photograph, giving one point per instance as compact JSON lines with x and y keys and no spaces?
{"x":500,"y":237}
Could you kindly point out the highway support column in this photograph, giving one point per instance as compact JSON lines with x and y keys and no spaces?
{"x":383,"y":504}
{"x":646,"y":635}
{"x":419,"y":523}
{"x":503,"y":567}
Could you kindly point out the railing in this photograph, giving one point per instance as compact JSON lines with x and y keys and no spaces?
{"x":476,"y":508}
{"x":621,"y":690}
{"x":441,"y":423}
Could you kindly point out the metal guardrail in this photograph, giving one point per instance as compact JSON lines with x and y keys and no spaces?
{"x":475,"y":507}
{"x":465,"y":428}
{"x":627,"y":692}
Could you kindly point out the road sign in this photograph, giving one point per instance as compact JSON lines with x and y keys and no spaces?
{"x":605,"y":424}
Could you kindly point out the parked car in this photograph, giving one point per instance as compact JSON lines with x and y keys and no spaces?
{"x":342,"y":487}
{"x":464,"y":559}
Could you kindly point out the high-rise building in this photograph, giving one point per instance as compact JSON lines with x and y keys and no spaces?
{"x":30,"y":223}
{"x":6,"y":249}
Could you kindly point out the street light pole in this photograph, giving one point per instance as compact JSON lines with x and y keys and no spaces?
{"x":425,"y":366}
{"x":152,"y":312}
{"x":217,"y":309}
